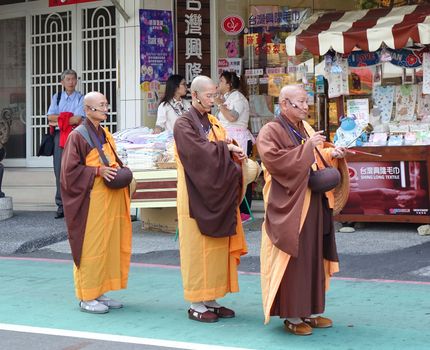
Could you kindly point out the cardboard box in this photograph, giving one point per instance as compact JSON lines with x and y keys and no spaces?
{"x":159,"y":219}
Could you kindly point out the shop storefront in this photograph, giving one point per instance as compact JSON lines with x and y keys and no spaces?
{"x":377,"y":64}
{"x":40,"y":39}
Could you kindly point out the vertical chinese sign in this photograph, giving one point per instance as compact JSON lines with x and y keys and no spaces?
{"x":156,"y":54}
{"x":193,"y":22}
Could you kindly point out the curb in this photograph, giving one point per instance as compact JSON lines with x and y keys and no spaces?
{"x":31,"y":246}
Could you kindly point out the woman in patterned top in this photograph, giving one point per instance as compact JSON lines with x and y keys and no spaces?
{"x":172,"y":106}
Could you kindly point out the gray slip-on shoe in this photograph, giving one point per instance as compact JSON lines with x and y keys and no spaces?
{"x":93,"y":307}
{"x":110,"y":303}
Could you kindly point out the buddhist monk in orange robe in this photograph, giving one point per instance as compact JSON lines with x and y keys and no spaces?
{"x":97,"y":217}
{"x":211,"y":237}
{"x":298,"y":249}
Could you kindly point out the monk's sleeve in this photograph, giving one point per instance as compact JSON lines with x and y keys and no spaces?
{"x":76,"y":183}
{"x":76,"y":177}
{"x":212,"y":178}
{"x":203,"y":160}
{"x":287,"y":164}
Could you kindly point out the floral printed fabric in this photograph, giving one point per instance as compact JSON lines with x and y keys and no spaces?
{"x":406,"y":99}
{"x":383,"y":97}
{"x":338,"y":80}
{"x":423,"y":107}
{"x":426,"y":73}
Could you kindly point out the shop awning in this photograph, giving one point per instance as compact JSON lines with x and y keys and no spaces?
{"x":365,"y":29}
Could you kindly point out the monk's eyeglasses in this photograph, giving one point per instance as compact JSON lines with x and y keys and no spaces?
{"x":101,"y":105}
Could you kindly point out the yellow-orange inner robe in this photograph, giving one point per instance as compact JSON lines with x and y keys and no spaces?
{"x":208,"y":265}
{"x":106,"y":251}
{"x":274,"y":261}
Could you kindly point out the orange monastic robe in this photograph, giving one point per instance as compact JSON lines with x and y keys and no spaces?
{"x":106,"y":250}
{"x":208,"y":265}
{"x":273,"y":260}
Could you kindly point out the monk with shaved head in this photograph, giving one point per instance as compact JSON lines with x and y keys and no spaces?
{"x":298,"y":248}
{"x":97,"y":217}
{"x":209,"y":184}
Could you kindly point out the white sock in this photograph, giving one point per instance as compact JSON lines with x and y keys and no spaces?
{"x":314,"y":315}
{"x":199,"y":307}
{"x":212,"y":303}
{"x":294,"y":320}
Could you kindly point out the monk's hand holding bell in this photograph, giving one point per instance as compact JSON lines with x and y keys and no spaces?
{"x":317,"y":138}
{"x":338,"y":152}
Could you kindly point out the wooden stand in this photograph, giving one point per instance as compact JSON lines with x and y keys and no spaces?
{"x":155,"y":188}
{"x":392,"y":154}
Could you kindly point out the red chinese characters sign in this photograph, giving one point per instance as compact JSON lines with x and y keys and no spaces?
{"x":193,"y":22}
{"x":388,"y":188}
{"x":53,"y":3}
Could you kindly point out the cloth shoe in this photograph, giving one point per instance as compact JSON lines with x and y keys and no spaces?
{"x":110,"y":303}
{"x":318,"y":322}
{"x":59,"y":215}
{"x":93,"y":307}
{"x":298,"y":329}
{"x":222,"y":312}
{"x":207,"y":316}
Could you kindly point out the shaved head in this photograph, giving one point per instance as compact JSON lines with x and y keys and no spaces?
{"x":293,"y":103}
{"x":203,"y":91}
{"x":96,"y":107}
{"x":289,"y":91}
{"x":201,"y":83}
{"x":93,"y":98}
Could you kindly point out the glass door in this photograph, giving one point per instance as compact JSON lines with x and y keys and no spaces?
{"x":13,"y":89}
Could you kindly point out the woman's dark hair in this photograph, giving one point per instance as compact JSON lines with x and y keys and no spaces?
{"x":234,"y":81}
{"x":171,"y":85}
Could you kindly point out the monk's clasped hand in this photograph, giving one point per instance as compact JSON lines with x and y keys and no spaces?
{"x":237,"y":151}
{"x":108,"y":172}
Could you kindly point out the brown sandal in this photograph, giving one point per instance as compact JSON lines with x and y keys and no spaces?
{"x":318,"y":322}
{"x":222,"y":311}
{"x":207,"y":316}
{"x":298,"y":329}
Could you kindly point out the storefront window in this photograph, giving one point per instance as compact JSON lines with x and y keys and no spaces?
{"x":12,"y":87}
{"x":258,"y":53}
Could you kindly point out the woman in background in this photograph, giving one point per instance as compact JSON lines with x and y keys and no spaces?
{"x":233,"y":113}
{"x":172,"y":105}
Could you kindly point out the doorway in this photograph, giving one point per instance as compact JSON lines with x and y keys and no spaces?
{"x":82,"y":38}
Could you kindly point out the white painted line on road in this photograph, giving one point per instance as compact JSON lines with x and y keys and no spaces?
{"x":113,"y":338}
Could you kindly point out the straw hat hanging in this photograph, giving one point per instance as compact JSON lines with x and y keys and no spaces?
{"x":341,"y":192}
{"x":250,"y":172}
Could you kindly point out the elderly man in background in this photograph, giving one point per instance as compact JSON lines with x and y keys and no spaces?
{"x":71,"y":101}
{"x":209,"y":184}
{"x":97,"y":217}
{"x":298,"y":249}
